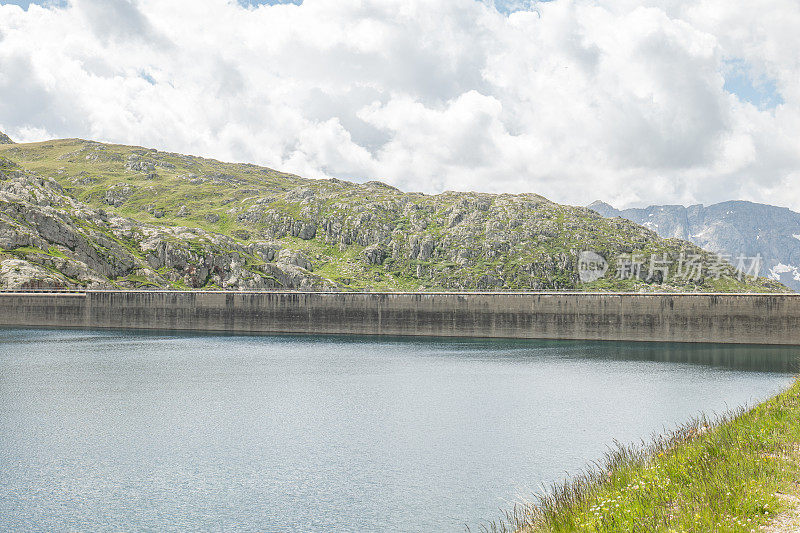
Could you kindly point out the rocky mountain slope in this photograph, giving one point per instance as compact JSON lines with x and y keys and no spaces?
{"x":732,"y":228}
{"x":84,"y":214}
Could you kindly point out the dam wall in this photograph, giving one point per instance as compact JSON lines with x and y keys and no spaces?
{"x":724,"y":318}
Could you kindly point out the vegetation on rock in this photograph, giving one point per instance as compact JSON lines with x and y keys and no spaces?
{"x":83,"y":213}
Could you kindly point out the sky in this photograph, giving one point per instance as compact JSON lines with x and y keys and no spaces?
{"x":631,"y":102}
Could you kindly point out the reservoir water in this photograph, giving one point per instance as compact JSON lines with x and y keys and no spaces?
{"x":120,"y":431}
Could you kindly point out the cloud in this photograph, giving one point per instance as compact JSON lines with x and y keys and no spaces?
{"x":117,"y":20}
{"x":633,"y":102}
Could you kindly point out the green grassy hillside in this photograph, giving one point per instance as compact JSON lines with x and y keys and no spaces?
{"x":327,"y":233}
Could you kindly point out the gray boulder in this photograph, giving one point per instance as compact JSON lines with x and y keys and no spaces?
{"x":291,"y":257}
{"x":375,"y":254}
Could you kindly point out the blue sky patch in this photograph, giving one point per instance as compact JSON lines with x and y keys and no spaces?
{"x":25,"y":3}
{"x":510,"y":6}
{"x":748,"y":86}
{"x":253,"y":3}
{"x":147,"y":77}
{"x":503,"y":6}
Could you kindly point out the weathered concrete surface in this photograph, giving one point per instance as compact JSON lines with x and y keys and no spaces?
{"x":728,"y":318}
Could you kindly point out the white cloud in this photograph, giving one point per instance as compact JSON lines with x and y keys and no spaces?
{"x":573,"y":99}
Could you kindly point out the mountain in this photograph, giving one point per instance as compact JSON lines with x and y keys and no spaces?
{"x":5,"y":139}
{"x":80,"y":213}
{"x":734,"y":228}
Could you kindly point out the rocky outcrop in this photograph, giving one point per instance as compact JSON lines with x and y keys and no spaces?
{"x":158,"y":219}
{"x":298,"y":259}
{"x":118,"y":194}
{"x":5,"y":139}
{"x":51,"y":240}
{"x":375,"y":254}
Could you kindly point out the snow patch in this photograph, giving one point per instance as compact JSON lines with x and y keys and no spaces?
{"x":776,"y":271}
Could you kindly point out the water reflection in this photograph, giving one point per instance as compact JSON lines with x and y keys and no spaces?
{"x":752,"y":358}
{"x":748,"y":357}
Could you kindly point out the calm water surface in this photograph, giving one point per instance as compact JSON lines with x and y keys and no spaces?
{"x":109,"y":431}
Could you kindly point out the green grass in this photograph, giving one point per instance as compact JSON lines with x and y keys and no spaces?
{"x":721,"y":477}
{"x":24,"y":250}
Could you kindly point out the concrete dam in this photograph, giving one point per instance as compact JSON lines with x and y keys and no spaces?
{"x":723,"y":318}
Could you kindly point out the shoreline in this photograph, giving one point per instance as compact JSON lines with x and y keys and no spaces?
{"x":735,"y":473}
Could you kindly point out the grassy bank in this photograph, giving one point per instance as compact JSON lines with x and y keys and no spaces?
{"x":722,"y":477}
